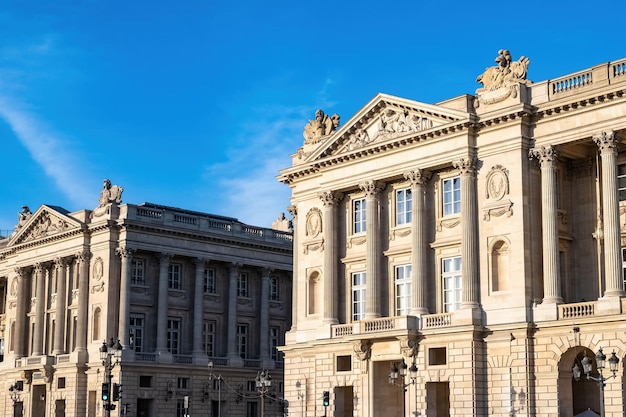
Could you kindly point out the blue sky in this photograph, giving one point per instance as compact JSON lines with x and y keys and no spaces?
{"x":198,"y":104}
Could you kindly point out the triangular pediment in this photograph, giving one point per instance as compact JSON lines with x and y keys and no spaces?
{"x":384,"y":119}
{"x":47,"y":221}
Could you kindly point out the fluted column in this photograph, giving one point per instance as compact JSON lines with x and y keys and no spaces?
{"x":161,"y":345}
{"x":294,"y":277}
{"x":60,"y":265}
{"x":469,"y":230}
{"x":607,"y":143}
{"x":330,"y":200}
{"x":419,"y":249}
{"x":123,"y":334}
{"x":82,"y":259}
{"x":232,"y":310}
{"x":198,"y":306}
{"x":547,"y":157}
{"x":372,"y":191}
{"x":20,"y":318}
{"x":265,"y":314}
{"x":40,"y":304}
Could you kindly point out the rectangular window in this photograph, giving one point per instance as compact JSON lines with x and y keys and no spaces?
{"x":208,"y":337}
{"x":183,"y":383}
{"x":274,"y":289}
{"x":359,"y":213}
{"x":451,"y":196}
{"x":174,"y":279}
{"x":252,"y":409}
{"x":173,"y":335}
{"x":403,"y":290}
{"x":138,"y":272}
{"x":404,"y":206}
{"x":451,"y":275}
{"x":209,"y":281}
{"x":136,"y":328}
{"x":242,"y":285}
{"x":358,"y":296}
{"x":621,"y":181}
{"x":242,"y":340}
{"x":274,"y":343}
{"x":180,"y":407}
{"x":145,"y":381}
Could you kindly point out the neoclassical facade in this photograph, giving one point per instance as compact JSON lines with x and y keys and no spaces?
{"x":479,"y":239}
{"x":179,"y":289}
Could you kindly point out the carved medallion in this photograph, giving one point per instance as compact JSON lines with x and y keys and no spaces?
{"x":497,"y":183}
{"x":313,"y":222}
{"x":98,"y":269}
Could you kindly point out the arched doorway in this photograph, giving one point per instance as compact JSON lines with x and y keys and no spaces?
{"x":576,"y":397}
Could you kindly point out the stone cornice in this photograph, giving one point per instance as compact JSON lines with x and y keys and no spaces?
{"x":573,"y":103}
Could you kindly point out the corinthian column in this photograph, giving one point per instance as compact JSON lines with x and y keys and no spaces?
{"x":60,"y":265}
{"x":126,"y":254}
{"x":264,"y":315}
{"x":469,"y":230}
{"x":330,"y":200}
{"x":40,"y":274}
{"x":198,"y":307}
{"x":20,"y":313}
{"x":372,"y":190}
{"x":82,"y":259}
{"x":607,"y":143}
{"x":547,"y":156}
{"x":419,"y":249}
{"x":294,"y":275}
{"x":232,"y":312}
{"x":161,"y":342}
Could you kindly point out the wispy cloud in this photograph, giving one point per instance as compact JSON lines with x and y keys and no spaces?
{"x":53,"y":154}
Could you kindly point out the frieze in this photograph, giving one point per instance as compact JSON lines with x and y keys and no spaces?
{"x":45,"y":225}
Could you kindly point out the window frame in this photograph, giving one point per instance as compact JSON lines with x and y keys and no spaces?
{"x":359,"y":215}
{"x":136,"y":326}
{"x":243,"y":285}
{"x":403,"y":289}
{"x":404,"y":206}
{"x":243,"y":335}
{"x":209,"y":279}
{"x":358,"y":286}
{"x":208,"y":337}
{"x":455,"y":277}
{"x":451,"y":198}
{"x":274,"y":293}
{"x":138,"y":272}
{"x":175,"y":276}
{"x":174,"y":335}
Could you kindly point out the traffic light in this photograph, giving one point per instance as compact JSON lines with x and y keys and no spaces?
{"x":326,"y":400}
{"x":105,"y":391}
{"x":117,"y":388}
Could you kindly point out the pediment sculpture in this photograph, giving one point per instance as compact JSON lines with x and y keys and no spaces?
{"x":23,"y":217}
{"x":323,"y":125}
{"x":502,"y":80}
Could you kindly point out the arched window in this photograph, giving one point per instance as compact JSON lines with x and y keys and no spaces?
{"x":96,"y":324}
{"x":499,"y":265}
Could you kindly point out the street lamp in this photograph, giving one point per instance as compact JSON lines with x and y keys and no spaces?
{"x":263,"y":382}
{"x":15,"y":390}
{"x":107,"y":353}
{"x":396,"y":373}
{"x":600,"y":379}
{"x":218,"y":377}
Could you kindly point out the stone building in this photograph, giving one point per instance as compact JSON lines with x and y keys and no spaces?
{"x":180,"y":290}
{"x":477,"y":238}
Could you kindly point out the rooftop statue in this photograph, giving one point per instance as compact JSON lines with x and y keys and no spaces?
{"x":505,"y":76}
{"x":109,"y":194}
{"x":322,"y":125}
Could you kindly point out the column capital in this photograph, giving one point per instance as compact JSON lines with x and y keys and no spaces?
{"x":417,"y":176}
{"x":124,"y":252}
{"x":200,"y":262}
{"x":83,"y":256}
{"x":606,"y":141}
{"x":265,"y":272}
{"x":466,"y":166}
{"x":60,"y":262}
{"x":164,"y":256}
{"x":330,"y":198}
{"x":39,"y":267}
{"x":234,"y":267}
{"x":371,"y":187}
{"x":544,"y":154}
{"x":20,"y":271}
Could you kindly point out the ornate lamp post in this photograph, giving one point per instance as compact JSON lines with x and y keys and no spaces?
{"x":14,"y":391}
{"x":219,"y":379}
{"x":600,"y":379}
{"x":397,"y":377}
{"x":107,"y":353}
{"x":263,"y":383}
